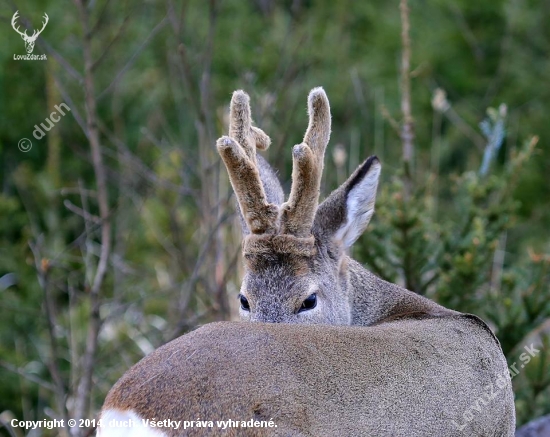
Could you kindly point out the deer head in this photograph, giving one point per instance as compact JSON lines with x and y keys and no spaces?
{"x":296,"y":267}
{"x":29,"y":40}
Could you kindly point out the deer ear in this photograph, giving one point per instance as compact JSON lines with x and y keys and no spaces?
{"x":345,"y":214}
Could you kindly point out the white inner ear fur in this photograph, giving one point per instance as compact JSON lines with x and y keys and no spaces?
{"x":359,"y":207}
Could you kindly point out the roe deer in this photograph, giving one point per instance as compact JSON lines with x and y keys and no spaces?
{"x":406,"y":366}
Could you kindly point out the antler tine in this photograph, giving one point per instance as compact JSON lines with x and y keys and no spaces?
{"x":44,"y":23}
{"x":238,"y":152}
{"x":307,"y":168}
{"x":35,"y":33}
{"x":14,"y":21}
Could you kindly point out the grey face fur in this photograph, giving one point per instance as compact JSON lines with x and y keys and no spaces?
{"x":316,"y":295}
{"x":276,"y":287}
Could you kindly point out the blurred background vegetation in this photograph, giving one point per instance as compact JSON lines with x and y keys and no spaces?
{"x":117,"y":229}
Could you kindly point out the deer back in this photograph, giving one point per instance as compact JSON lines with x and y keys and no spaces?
{"x":416,"y":376}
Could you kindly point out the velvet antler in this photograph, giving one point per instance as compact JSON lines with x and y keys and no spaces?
{"x":238,"y":151}
{"x":299,"y":211}
{"x":293,"y":218}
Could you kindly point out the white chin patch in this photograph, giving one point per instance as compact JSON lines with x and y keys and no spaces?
{"x":116,"y":423}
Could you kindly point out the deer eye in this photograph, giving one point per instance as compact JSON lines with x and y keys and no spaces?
{"x":244,"y":303}
{"x":309,"y":303}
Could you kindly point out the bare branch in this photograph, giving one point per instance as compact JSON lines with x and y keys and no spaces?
{"x":112,"y":42}
{"x":74,"y":110}
{"x":359,"y":93}
{"x":100,"y":18}
{"x":82,"y":398}
{"x":465,"y":128}
{"x":467,"y":33}
{"x":407,"y":131}
{"x":28,"y":376}
{"x":132,"y":59}
{"x":140,"y":167}
{"x":82,"y":213}
{"x":61,"y":60}
{"x":392,"y":121}
{"x":42,"y":268}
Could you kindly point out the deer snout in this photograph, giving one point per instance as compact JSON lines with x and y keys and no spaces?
{"x":269,"y":315}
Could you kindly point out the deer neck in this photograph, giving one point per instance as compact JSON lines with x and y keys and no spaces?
{"x":372,"y":299}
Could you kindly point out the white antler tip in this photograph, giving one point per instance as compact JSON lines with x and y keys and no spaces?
{"x":317,"y":90}
{"x":317,"y":93}
{"x":224,"y":142}
{"x":300,"y":151}
{"x":240,"y":97}
{"x":317,"y":99}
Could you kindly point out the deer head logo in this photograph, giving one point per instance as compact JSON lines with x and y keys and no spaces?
{"x":29,"y":40}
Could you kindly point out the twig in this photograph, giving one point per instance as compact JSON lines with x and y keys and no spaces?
{"x":74,"y":110}
{"x":465,"y":128}
{"x":392,"y":121}
{"x":60,"y":59}
{"x":498,"y":263}
{"x":187,"y":79}
{"x":407,"y":132}
{"x":81,"y":212}
{"x":77,"y":190}
{"x":111,"y":43}
{"x":379,"y":123}
{"x":42,"y":267}
{"x":29,"y":376}
{"x":222,"y":292}
{"x":469,"y":36}
{"x":82,"y":399}
{"x":201,"y":259}
{"x":199,"y":96}
{"x":132,"y":59}
{"x":132,"y":160}
{"x":6,"y":418}
{"x":101,"y":17}
{"x":359,"y":94}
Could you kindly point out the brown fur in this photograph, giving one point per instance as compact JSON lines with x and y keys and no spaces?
{"x":289,"y":244}
{"x":407,"y":378}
